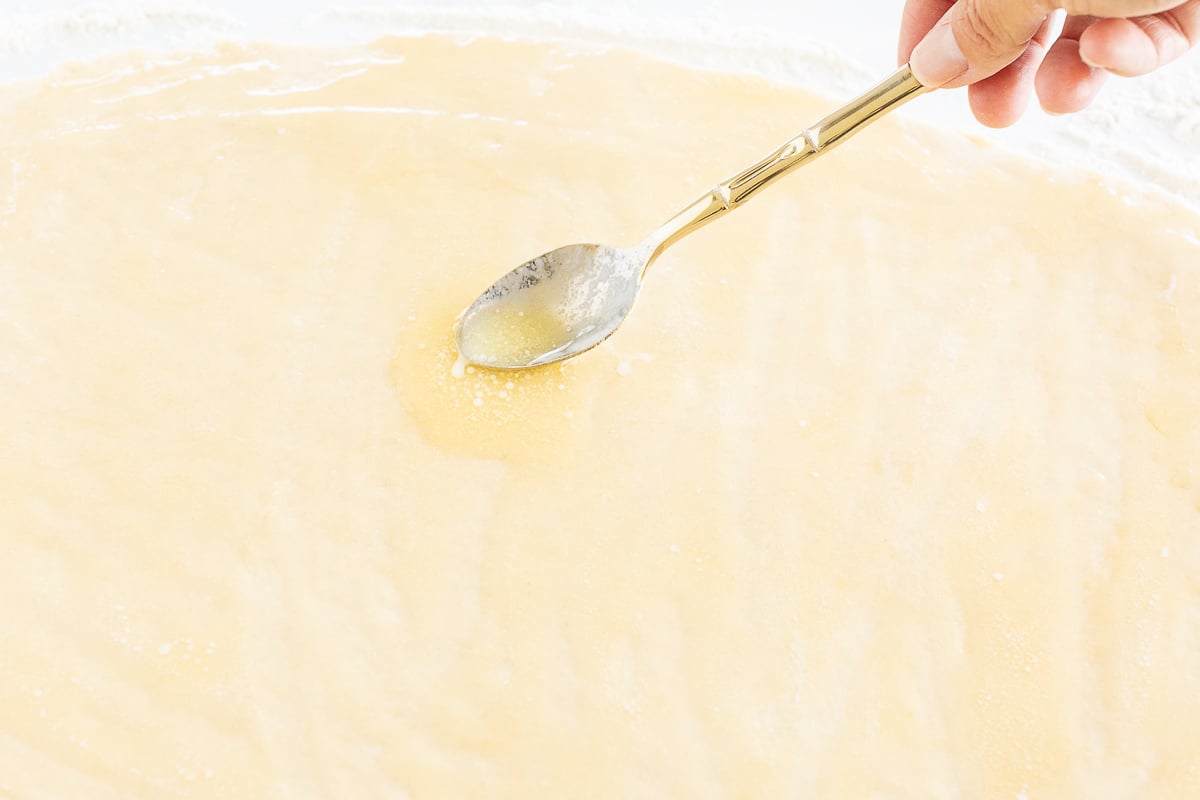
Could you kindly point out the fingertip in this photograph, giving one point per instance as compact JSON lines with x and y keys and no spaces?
{"x":1001,"y":100}
{"x":917,"y":19}
{"x":995,"y":108}
{"x":1065,"y":84}
{"x":1118,"y":46}
{"x":938,"y":61}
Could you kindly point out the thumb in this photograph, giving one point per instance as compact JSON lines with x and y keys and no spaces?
{"x":976,"y":39}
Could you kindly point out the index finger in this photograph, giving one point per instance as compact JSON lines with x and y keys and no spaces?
{"x":919,"y":18}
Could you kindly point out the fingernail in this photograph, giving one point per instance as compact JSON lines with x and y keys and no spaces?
{"x":938,"y":59}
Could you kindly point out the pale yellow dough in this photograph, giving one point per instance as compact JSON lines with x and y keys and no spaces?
{"x":888,"y":489}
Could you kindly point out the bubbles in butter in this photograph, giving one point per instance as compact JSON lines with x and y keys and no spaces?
{"x":508,"y":334}
{"x":532,"y":416}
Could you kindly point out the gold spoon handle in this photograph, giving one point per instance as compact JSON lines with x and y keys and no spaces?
{"x":820,"y":138}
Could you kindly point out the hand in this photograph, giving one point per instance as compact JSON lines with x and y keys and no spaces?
{"x":1005,"y":49}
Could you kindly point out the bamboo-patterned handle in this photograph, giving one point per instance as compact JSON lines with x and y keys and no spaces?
{"x":834,"y":129}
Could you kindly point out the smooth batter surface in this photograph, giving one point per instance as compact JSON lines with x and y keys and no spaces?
{"x":888,"y":489}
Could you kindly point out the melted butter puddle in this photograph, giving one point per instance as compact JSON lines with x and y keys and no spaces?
{"x":528,"y":416}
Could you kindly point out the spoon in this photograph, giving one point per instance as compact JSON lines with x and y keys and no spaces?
{"x":569,"y":300}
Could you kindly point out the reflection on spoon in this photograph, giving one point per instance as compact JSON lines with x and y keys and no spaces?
{"x":556,"y":306}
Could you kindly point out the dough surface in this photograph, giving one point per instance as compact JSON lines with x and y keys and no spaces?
{"x":888,"y":488}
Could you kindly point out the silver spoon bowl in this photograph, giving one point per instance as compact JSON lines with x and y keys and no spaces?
{"x":571,"y":299}
{"x":554,"y":307}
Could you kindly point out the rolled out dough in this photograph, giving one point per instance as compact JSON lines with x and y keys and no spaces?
{"x":888,"y":489}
